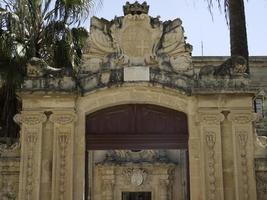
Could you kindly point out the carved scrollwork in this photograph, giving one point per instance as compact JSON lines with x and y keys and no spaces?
{"x":210,"y":118}
{"x":242,"y":118}
{"x":101,"y":44}
{"x":30,"y":118}
{"x":173,"y":41}
{"x":4,"y":148}
{"x":63,"y":118}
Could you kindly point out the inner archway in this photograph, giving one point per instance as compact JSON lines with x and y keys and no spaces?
{"x":146,"y":134}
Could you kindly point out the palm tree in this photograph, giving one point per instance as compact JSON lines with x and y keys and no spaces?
{"x":46,"y":29}
{"x":235,"y":12}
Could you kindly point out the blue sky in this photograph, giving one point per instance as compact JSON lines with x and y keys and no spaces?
{"x":199,"y":25}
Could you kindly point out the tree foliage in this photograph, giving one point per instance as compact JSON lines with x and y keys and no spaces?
{"x":236,"y":19}
{"x":46,"y":29}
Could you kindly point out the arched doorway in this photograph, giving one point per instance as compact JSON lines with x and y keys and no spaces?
{"x":139,"y":131}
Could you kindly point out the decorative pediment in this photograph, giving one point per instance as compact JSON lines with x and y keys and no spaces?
{"x":137,"y":39}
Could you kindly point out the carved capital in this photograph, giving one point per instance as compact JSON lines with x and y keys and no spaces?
{"x":210,"y":117}
{"x":242,"y":118}
{"x":30,"y":118}
{"x":63,"y":118}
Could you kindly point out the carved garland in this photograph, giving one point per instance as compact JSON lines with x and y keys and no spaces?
{"x":62,"y":142}
{"x":242,"y":138}
{"x":31,"y":141}
{"x":210,"y":141}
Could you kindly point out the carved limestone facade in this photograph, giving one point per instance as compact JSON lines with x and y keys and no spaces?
{"x":136,"y":59}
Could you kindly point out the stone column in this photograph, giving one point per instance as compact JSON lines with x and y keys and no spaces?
{"x":211,"y":154}
{"x":62,"y":175}
{"x":31,"y":146}
{"x":243,"y":150}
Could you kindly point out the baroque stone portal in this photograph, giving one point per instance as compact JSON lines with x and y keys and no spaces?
{"x":132,"y":60}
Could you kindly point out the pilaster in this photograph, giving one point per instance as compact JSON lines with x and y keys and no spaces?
{"x":243,"y":150}
{"x":31,"y":146}
{"x":62,"y":175}
{"x":211,"y":154}
{"x":108,"y":181}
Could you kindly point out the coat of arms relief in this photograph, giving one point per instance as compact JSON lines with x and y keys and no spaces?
{"x":137,"y":39}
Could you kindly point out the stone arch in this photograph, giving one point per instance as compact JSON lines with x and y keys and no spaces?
{"x":110,"y":97}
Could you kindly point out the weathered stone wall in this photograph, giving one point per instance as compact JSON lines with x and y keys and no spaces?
{"x":9,"y":172}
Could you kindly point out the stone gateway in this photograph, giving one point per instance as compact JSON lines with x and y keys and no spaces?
{"x":138,"y":121}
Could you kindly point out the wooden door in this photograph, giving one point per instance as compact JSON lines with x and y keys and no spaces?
{"x":136,"y":126}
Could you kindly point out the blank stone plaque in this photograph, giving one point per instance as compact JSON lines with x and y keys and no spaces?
{"x":136,"y":74}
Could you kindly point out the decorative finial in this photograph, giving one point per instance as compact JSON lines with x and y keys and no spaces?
{"x":135,"y":8}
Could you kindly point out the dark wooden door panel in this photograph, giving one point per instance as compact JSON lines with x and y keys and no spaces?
{"x":136,"y":126}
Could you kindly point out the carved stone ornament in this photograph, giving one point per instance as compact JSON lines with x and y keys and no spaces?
{"x":63,"y":118}
{"x":234,"y":66}
{"x":137,"y":39}
{"x":30,"y":118}
{"x":242,"y":118}
{"x":210,"y":141}
{"x":135,"y":177}
{"x":136,"y":8}
{"x":242,"y":139}
{"x":261,"y":141}
{"x":4,"y":148}
{"x":210,"y":118}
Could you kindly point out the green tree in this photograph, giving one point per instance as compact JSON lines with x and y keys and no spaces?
{"x":235,"y":14}
{"x":44,"y":29}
